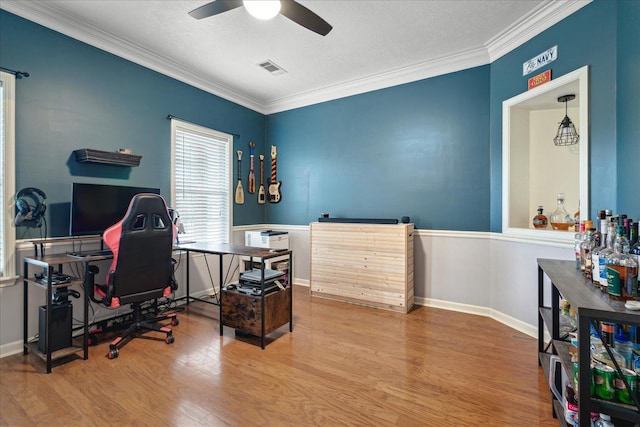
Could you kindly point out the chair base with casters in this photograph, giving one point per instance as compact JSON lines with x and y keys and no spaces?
{"x":138,"y":323}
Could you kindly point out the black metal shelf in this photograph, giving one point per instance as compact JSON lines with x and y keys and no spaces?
{"x":590,"y":304}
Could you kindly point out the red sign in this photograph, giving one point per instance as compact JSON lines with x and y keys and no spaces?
{"x":540,"y":79}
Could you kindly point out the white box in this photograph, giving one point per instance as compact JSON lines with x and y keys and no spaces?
{"x":267,"y":239}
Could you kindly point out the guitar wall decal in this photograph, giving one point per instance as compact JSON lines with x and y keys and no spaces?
{"x":261,"y":195}
{"x":239,"y":189}
{"x":252,"y":176}
{"x":274,"y":184}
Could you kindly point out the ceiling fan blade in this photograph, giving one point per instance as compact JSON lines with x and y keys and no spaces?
{"x":305,"y":17}
{"x":214,"y":8}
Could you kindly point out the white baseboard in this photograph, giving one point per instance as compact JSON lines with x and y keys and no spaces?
{"x":512,"y":322}
{"x":301,"y":282}
{"x":11,"y":348}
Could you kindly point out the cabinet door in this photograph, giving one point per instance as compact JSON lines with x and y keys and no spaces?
{"x":242,"y":312}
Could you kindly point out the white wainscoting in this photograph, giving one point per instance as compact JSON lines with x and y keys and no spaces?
{"x":487,"y":274}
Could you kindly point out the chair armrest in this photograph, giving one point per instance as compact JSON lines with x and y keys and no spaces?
{"x":89,"y":283}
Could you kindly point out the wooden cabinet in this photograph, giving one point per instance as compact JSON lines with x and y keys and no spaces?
{"x":246,"y":313}
{"x":368,"y":264}
{"x":591,"y":306}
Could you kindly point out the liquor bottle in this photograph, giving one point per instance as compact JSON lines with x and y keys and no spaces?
{"x":597,"y":236}
{"x":622,"y":270}
{"x":627,"y":227}
{"x":634,"y":252}
{"x":635,"y":247}
{"x":608,"y":214}
{"x":633,"y":234}
{"x":577,"y":244}
{"x":588,"y":244}
{"x":560,"y":218}
{"x":540,"y":221}
{"x":595,"y":254}
{"x":604,"y":253}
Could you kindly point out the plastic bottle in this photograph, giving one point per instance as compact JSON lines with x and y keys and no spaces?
{"x":604,"y":421}
{"x":624,"y":347}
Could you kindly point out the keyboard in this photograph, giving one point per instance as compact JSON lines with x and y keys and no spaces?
{"x":103,"y":252}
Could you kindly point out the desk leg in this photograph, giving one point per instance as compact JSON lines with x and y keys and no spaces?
{"x":85,"y":339}
{"x":290,"y":284}
{"x":188,"y":277}
{"x":25,"y":299}
{"x":220,"y":268}
{"x":49,"y":315}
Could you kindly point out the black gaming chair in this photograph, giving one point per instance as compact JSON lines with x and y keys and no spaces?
{"x":142,"y":267}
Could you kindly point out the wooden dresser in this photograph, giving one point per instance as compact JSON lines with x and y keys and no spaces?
{"x":368,"y":264}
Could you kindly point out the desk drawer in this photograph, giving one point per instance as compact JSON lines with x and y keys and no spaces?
{"x":241,"y":311}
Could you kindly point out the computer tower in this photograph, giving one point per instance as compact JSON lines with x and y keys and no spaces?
{"x":61,"y":318}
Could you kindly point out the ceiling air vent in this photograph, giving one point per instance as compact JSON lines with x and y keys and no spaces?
{"x":272,"y":67}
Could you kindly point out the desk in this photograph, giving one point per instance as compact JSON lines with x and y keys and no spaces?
{"x":222,"y":249}
{"x":54,"y":263}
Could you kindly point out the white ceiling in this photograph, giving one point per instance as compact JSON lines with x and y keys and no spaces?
{"x":373,"y":44}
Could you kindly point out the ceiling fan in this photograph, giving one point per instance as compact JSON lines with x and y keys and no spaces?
{"x":289,"y":8}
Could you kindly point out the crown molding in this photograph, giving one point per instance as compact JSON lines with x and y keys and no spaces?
{"x":547,"y":14}
{"x":431,"y":68}
{"x":46,"y":15}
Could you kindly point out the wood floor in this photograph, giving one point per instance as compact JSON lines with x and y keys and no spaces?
{"x":343,"y":365}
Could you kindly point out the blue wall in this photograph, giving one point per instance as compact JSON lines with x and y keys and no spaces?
{"x":420,"y":149}
{"x":78,"y":96}
{"x":430,"y":149}
{"x":628,"y":108}
{"x":588,"y":37}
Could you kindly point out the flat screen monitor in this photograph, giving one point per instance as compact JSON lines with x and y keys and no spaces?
{"x":96,"y":207}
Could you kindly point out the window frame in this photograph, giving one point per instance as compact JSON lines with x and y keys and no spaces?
{"x":7,"y":152}
{"x":184,"y":126}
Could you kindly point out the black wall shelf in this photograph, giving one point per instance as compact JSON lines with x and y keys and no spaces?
{"x":88,"y":155}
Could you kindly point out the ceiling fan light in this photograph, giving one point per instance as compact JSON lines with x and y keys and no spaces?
{"x":262,"y":9}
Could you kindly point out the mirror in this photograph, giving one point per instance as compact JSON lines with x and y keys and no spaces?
{"x":534,"y":169}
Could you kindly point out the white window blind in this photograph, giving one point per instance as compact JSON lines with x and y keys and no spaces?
{"x":7,"y":177}
{"x":202,"y":182}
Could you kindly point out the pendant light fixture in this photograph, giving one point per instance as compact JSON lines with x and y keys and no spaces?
{"x":566,"y":134}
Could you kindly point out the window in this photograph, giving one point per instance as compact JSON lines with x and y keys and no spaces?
{"x":201,"y":182}
{"x":7,"y":177}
